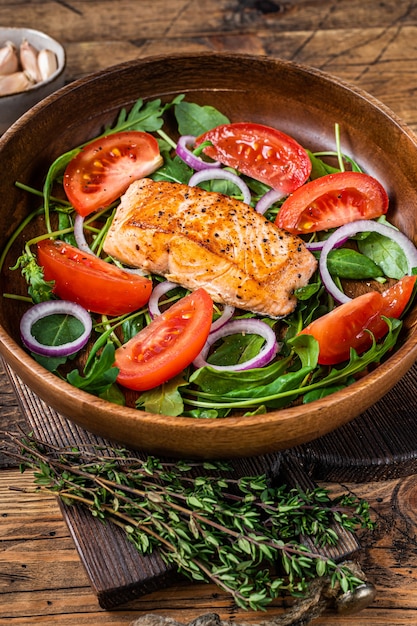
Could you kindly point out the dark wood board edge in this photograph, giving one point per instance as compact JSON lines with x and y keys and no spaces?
{"x":380,"y":444}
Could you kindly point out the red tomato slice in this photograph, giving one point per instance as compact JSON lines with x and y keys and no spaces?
{"x":331,"y":201}
{"x":167,"y":345}
{"x":344,"y":328}
{"x":347,"y":325}
{"x":91,"y":282}
{"x":260,"y":152}
{"x":104,"y":169}
{"x":395,"y":299}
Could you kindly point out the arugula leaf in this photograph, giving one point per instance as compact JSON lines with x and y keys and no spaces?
{"x":220,"y":382}
{"x":307,"y":348}
{"x":226,"y":187}
{"x":49,"y":363}
{"x":146,"y":117}
{"x":319,"y":167}
{"x":165,"y":399}
{"x":309,"y":290}
{"x":195,"y":120}
{"x":205,"y":413}
{"x":237,"y":349}
{"x":100,"y":375}
{"x":132,"y":325}
{"x":323,"y":392}
{"x":174,"y":170}
{"x":54,"y":172}
{"x":39,"y":289}
{"x":292,"y":385}
{"x":114,"y":394}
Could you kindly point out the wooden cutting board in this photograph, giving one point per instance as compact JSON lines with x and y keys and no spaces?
{"x":117,"y":572}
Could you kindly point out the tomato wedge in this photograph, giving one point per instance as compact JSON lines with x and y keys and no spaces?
{"x":260,"y":152}
{"x":104,"y":169}
{"x":395,"y":299}
{"x":347,"y":325}
{"x":91,"y":282}
{"x":167,"y":345}
{"x":331,"y":201}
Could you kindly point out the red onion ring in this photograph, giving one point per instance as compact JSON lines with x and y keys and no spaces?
{"x":79,"y":235}
{"x":349,"y":230}
{"x":211,"y":174}
{"x":54,"y":307}
{"x":316,"y":246}
{"x":267,"y":200}
{"x":158,"y":291}
{"x":226,"y":315}
{"x":192,"y":160}
{"x":84,"y":247}
{"x":162,"y":288}
{"x":248,"y":327}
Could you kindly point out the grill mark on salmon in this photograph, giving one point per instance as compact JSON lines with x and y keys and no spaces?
{"x":204,"y":239}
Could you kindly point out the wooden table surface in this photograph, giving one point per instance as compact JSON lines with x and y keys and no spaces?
{"x":371,"y":44}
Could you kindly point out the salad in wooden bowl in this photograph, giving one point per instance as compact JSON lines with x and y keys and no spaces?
{"x":209,"y":255}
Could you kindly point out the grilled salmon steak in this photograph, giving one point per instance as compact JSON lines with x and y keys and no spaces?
{"x":204,"y":239}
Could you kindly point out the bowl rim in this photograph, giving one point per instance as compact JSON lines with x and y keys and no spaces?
{"x":61,"y":62}
{"x":13,"y":353}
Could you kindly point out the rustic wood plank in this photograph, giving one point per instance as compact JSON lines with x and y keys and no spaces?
{"x":37,"y":553}
{"x":348,"y":38}
{"x":370,"y":44}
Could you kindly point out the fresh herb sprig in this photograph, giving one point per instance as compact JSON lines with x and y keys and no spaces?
{"x":244,"y":535}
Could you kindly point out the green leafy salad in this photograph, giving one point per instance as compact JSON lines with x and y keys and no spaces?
{"x":329,"y":340}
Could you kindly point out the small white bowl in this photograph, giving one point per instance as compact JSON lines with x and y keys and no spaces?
{"x":12,"y":106}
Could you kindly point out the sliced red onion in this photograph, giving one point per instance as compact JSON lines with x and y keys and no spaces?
{"x":194,"y":161}
{"x":54,"y":307}
{"x":158,"y":291}
{"x":222,"y":174}
{"x":247,"y":327}
{"x":136,"y":271}
{"x":84,"y":247}
{"x":79,"y":235}
{"x":267,"y":200}
{"x":162,"y":288}
{"x":349,"y":230}
{"x":226,"y":315}
{"x":316,"y":246}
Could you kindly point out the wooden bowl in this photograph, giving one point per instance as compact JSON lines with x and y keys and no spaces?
{"x":299,"y":100}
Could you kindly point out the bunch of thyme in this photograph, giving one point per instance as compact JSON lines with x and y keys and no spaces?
{"x":244,"y":535}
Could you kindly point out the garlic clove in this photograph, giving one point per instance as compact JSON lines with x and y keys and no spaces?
{"x":9,"y":59}
{"x":14,"y":83}
{"x":47,"y":63}
{"x":29,"y":60}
